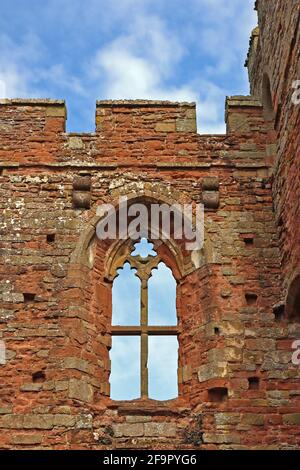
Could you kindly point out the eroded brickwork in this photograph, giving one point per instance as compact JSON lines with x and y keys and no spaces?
{"x":237,"y":385}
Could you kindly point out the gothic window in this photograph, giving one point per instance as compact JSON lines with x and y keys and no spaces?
{"x":293,"y":300}
{"x":144,"y":352}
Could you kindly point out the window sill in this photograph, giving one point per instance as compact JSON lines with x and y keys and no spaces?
{"x":147,"y":406}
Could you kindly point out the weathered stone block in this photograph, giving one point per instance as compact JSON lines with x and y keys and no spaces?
{"x":81,"y":390}
{"x":9,"y":421}
{"x":187,"y":373}
{"x":64,"y":420}
{"x":212,"y":371}
{"x":227,"y":418}
{"x":56,"y":111}
{"x":211,"y":199}
{"x":38,"y":421}
{"x":76,"y":363}
{"x":13,"y":297}
{"x":82,"y":183}
{"x":165,"y":127}
{"x":84,"y":421}
{"x":128,"y":430}
{"x":211,"y":183}
{"x":292,"y":419}
{"x":75,"y":143}
{"x":160,"y":429}
{"x":31,"y":387}
{"x":228,"y":438}
{"x":5,"y":410}
{"x":186,"y":125}
{"x":253,"y":419}
{"x":138,"y":419}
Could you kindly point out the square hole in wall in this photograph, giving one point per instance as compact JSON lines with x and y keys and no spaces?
{"x":253,"y":383}
{"x":251,"y":298}
{"x":280,"y":222}
{"x":217,"y":394}
{"x":249,"y":242}
{"x":51,"y":238}
{"x":38,"y":377}
{"x":28,"y":297}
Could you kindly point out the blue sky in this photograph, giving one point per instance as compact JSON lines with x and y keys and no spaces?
{"x":151,"y":49}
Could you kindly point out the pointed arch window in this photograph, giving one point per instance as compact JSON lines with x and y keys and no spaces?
{"x":144,"y":355}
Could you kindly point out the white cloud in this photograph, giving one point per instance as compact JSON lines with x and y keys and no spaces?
{"x":11,"y":84}
{"x":23,"y":75}
{"x":224,"y":32}
{"x":58,"y":76}
{"x":210,"y":107}
{"x":137,"y":64}
{"x":142,"y":63}
{"x":14,"y":75}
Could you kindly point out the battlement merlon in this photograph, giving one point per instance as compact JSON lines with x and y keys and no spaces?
{"x":243,"y":114}
{"x":40,"y":114}
{"x":155,"y":117}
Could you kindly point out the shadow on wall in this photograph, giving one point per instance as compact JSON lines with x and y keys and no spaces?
{"x":267,"y":102}
{"x":293,"y":300}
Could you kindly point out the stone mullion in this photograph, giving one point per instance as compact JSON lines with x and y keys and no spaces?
{"x":144,"y":338}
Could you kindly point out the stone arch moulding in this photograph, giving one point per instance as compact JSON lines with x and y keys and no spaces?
{"x":187,"y":261}
{"x":114,"y":261}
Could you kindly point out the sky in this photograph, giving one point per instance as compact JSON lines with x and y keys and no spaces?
{"x":126,"y":49}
